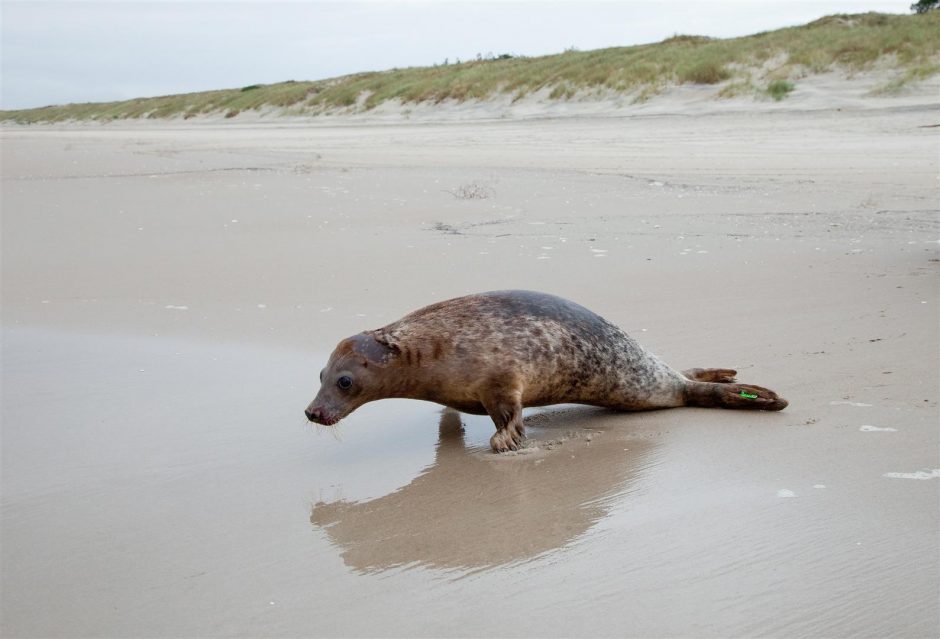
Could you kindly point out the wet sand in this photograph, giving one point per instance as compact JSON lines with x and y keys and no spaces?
{"x":170,"y":293}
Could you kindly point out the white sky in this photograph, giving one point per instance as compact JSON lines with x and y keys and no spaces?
{"x":79,"y":51}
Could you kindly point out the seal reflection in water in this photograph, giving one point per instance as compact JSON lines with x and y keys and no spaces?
{"x":495,"y":353}
{"x":533,"y":504}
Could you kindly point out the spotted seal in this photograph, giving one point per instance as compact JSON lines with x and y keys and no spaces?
{"x":497,"y":352}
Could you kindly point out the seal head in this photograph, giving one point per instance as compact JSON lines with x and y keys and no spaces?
{"x":351,"y":378}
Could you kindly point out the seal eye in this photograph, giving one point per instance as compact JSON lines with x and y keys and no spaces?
{"x":344,"y":382}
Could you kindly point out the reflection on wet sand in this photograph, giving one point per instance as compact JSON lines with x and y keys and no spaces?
{"x":472,"y":509}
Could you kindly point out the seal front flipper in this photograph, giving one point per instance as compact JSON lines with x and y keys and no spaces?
{"x":503,"y":403}
{"x":723,"y":395}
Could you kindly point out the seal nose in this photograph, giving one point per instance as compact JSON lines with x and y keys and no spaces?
{"x":314,"y":415}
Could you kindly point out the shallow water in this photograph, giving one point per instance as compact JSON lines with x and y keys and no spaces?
{"x":164,"y":487}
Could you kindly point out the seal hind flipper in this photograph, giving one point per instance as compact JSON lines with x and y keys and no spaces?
{"x":723,"y":395}
{"x":721,"y":375}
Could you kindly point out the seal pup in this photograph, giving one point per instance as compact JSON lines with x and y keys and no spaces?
{"x":495,"y":353}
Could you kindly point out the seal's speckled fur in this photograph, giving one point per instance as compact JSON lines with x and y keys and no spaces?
{"x":500,"y":351}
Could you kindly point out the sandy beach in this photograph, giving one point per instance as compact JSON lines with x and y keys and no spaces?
{"x":171,"y":291}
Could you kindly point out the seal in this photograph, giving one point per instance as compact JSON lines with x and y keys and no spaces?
{"x":495,"y":353}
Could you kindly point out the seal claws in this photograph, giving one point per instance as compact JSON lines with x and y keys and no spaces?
{"x":506,"y":439}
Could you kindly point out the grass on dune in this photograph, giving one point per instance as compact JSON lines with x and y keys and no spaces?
{"x":850,"y":43}
{"x":186,"y":105}
{"x":779,"y":89}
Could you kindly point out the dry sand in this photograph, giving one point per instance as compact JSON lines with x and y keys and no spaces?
{"x":170,"y":293}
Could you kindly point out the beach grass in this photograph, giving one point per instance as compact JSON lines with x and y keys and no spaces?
{"x":779,"y":89}
{"x":907,"y":45}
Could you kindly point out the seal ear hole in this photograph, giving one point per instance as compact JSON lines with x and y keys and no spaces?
{"x":344,"y":382}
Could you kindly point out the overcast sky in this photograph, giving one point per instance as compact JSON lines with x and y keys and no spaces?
{"x":78,"y":51}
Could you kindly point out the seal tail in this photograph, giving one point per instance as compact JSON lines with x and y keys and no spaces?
{"x":725,"y":395}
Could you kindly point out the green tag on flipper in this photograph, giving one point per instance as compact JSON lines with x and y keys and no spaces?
{"x":748,"y":395}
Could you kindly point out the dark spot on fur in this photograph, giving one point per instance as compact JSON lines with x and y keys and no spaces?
{"x":372,"y":346}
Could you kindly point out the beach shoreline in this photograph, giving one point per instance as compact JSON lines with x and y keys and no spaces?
{"x":170,"y":292}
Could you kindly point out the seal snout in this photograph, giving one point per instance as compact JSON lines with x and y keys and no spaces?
{"x":320,"y":416}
